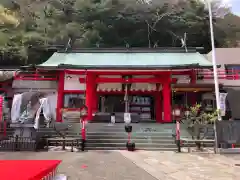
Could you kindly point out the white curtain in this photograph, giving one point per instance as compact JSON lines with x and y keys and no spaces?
{"x":52,"y":104}
{"x":45,"y":107}
{"x":16,"y":106}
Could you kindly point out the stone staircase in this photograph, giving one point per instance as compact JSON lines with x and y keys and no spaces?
{"x":147,"y":136}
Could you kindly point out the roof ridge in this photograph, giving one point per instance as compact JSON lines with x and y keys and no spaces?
{"x":133,"y":50}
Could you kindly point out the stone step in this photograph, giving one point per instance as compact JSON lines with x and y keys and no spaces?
{"x":123,"y":131}
{"x":72,"y":121}
{"x":132,"y":137}
{"x":135,"y":126}
{"x":161,"y":141}
{"x":150,"y":126}
{"x":124,"y":148}
{"x":194,"y":145}
{"x":115,"y":136}
{"x":133,"y":132}
{"x":138,"y":145}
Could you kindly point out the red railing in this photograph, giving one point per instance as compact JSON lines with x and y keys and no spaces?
{"x":202,"y":74}
{"x":35,"y":76}
{"x":206,"y":74}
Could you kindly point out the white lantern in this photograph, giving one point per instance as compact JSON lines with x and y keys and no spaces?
{"x":177,"y":112}
{"x":187,"y":113}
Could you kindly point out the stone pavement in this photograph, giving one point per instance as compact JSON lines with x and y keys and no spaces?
{"x":186,"y":166}
{"x":139,"y":165}
{"x":92,"y":165}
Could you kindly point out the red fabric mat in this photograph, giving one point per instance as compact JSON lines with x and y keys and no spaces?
{"x":26,"y":169}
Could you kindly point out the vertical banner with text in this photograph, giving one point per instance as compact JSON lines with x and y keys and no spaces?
{"x":222,"y":98}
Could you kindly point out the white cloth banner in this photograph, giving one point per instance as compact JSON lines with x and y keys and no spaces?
{"x":45,"y":107}
{"x":222,"y":98}
{"x":16,"y":104}
{"x":113,"y":120}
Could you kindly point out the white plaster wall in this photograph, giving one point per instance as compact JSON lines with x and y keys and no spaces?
{"x":71,"y":82}
{"x":109,"y":86}
{"x":143,"y":86}
{"x":118,"y":86}
{"x":24,"y":84}
{"x":182,"y":79}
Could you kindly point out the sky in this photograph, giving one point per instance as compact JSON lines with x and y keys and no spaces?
{"x":234,"y":4}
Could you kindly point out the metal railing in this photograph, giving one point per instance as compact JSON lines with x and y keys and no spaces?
{"x":207,"y":74}
{"x":11,"y":142}
{"x":18,"y":144}
{"x":35,"y":76}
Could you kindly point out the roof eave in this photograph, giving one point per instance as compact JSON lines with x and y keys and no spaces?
{"x":70,"y":66}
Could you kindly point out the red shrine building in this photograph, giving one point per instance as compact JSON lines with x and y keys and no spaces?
{"x":155,"y":82}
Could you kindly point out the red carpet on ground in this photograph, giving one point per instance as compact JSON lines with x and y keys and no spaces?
{"x":26,"y":169}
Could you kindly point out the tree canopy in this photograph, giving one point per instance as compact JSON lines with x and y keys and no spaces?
{"x":29,"y":28}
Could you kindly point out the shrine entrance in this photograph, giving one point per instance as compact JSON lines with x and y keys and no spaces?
{"x":142,"y":105}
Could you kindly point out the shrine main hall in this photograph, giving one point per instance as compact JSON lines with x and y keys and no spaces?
{"x":152,"y":81}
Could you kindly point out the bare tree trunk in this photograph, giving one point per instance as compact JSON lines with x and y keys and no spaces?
{"x":149,"y":35}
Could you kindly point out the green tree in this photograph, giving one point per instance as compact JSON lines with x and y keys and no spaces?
{"x":7,"y":17}
{"x":108,"y":23}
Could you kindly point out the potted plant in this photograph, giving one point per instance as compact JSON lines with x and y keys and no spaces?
{"x":199,"y":122}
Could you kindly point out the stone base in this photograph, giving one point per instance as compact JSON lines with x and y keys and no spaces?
{"x":230,"y":151}
{"x":24,"y":130}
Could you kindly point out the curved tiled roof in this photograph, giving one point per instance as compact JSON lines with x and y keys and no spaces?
{"x":125,"y":59}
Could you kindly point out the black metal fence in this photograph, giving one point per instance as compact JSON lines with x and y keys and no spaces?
{"x":228,"y":133}
{"x":9,"y":141}
{"x":29,"y":139}
{"x":18,"y":144}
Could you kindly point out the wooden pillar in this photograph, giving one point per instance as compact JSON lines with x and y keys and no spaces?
{"x":90,"y":86}
{"x":158,"y":105}
{"x":60,"y":96}
{"x":166,"y":94}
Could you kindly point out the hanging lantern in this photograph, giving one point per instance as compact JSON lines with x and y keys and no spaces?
{"x":83,"y":111}
{"x":177,"y":112}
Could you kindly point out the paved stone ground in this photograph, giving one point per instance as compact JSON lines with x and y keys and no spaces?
{"x":139,"y":165}
{"x":186,"y":166}
{"x":92,"y":165}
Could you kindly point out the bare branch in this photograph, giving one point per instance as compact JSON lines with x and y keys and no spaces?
{"x":160,"y":17}
{"x":151,"y":28}
{"x":149,"y":34}
{"x":175,"y":35}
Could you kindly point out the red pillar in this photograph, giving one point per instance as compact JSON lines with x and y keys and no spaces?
{"x":95,"y":98}
{"x":60,"y":96}
{"x":166,"y":94}
{"x":193,"y":77}
{"x":90,"y":86}
{"x":158,"y":105}
{"x":192,"y":95}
